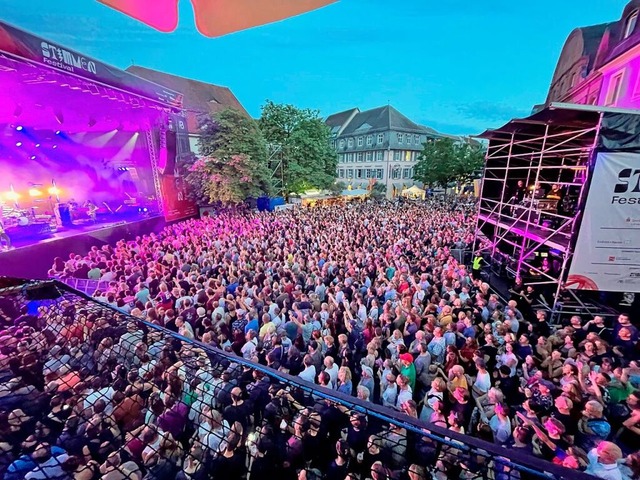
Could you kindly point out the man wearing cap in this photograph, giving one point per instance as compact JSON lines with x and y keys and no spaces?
{"x":408,"y":369}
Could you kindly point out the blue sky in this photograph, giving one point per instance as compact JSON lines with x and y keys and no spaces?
{"x":459,"y":66}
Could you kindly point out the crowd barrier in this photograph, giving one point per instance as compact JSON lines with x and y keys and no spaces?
{"x":106,"y":391}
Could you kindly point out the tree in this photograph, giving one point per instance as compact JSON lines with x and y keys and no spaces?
{"x":308,"y":159}
{"x":444,"y":161}
{"x":232,"y":161}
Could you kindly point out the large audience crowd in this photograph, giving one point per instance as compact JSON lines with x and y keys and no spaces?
{"x":371,"y":300}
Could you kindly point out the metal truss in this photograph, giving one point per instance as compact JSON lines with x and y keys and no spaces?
{"x":541,"y":154}
{"x":276,"y":166}
{"x":153,"y":157}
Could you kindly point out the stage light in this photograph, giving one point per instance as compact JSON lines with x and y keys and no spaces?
{"x":19,"y":128}
{"x":33,"y":157}
{"x":18,"y":144}
{"x":55,"y":146}
{"x":34,"y":192}
{"x":55,"y":191}
{"x":58,"y":132}
{"x":13,"y":196}
{"x":145,"y":209}
{"x":37,"y":145}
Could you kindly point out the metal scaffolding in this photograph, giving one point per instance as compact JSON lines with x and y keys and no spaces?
{"x":536,"y":179}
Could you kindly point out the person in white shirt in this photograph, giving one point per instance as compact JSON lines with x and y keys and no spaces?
{"x":390,"y":393}
{"x":332,"y":370}
{"x":404,"y":391}
{"x":483,"y":379}
{"x":309,"y":372}
{"x":249,"y":348}
{"x":603,"y":461}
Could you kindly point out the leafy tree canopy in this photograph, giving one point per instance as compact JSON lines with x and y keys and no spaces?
{"x":445,"y":161}
{"x":232,"y":163}
{"x":308,"y":159}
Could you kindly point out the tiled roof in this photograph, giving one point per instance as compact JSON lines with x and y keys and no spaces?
{"x":199,"y":98}
{"x":381,"y":119}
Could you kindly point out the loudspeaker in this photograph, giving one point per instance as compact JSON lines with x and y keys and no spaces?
{"x":65,"y":214}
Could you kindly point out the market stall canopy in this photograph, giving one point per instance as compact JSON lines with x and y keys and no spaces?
{"x":215,"y":18}
{"x":414,"y":192}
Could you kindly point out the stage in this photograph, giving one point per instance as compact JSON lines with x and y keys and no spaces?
{"x":34,"y":260}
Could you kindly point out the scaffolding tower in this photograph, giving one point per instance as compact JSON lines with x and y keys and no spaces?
{"x":537,"y":175}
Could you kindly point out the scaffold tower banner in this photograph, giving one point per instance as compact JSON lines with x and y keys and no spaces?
{"x":607,"y":253}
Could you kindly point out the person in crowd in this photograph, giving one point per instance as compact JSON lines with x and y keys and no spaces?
{"x":365,"y":300}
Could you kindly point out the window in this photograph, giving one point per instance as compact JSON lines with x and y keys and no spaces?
{"x":395,"y":173}
{"x":416,"y":138}
{"x":380,"y":138}
{"x":349,"y":157}
{"x":407,"y":156}
{"x":379,"y":173}
{"x":358,"y":173}
{"x":350,"y":142}
{"x":406,"y":173}
{"x":379,"y":155}
{"x":615,"y":88}
{"x":350,"y":173}
{"x":341,"y":143}
{"x":369,"y":156}
{"x":397,"y":155}
{"x":367,"y":173}
{"x":360,"y":141}
{"x":630,"y":25}
{"x":409,"y":139}
{"x":400,"y":138}
{"x":360,"y":157}
{"x":369,"y":140}
{"x":341,"y":173}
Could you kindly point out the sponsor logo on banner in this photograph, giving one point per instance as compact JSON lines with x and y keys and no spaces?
{"x":66,"y":60}
{"x":607,"y":252}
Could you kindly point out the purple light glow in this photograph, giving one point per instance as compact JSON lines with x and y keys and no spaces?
{"x":33,"y":157}
{"x":37,"y":145}
{"x":18,"y":144}
{"x":19,"y":128}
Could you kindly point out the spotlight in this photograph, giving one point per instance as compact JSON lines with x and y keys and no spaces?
{"x":13,"y":196}
{"x":33,"y":157}
{"x":34,"y":192}
{"x":18,"y":144}
{"x":58,"y":132}
{"x":55,"y":146}
{"x":37,"y":145}
{"x":53,"y":191}
{"x":19,"y":128}
{"x":145,"y":209}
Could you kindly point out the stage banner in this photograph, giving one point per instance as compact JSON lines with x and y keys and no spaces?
{"x":25,"y":45}
{"x":176,"y":202}
{"x":607,"y":253}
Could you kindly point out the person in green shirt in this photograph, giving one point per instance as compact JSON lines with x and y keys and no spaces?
{"x":408,"y":369}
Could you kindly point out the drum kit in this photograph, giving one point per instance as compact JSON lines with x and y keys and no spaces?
{"x":17,"y":217}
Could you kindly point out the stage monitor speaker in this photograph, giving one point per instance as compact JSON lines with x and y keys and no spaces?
{"x":65,"y":214}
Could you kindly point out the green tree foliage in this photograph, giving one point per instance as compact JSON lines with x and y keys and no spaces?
{"x":232,"y":165}
{"x":445,"y":161}
{"x":309,"y":161}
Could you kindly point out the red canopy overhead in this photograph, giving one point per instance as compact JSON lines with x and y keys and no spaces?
{"x":215,"y":18}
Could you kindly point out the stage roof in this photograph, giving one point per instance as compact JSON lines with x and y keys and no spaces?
{"x":617,"y":128}
{"x":26,"y":47}
{"x":215,"y":18}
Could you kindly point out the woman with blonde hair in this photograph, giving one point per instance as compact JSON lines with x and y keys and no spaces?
{"x":435,"y":394}
{"x":345,"y":384}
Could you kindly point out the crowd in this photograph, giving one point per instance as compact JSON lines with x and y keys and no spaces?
{"x":370,"y":300}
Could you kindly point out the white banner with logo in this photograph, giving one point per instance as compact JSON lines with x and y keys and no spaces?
{"x":607,"y":253}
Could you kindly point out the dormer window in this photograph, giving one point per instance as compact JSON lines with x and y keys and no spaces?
{"x":630,"y":24}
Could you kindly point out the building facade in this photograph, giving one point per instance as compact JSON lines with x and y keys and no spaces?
{"x":600,"y":64}
{"x":379,"y":145}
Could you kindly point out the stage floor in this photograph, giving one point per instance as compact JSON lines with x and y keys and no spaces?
{"x":66,"y":232}
{"x":34,"y":259}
